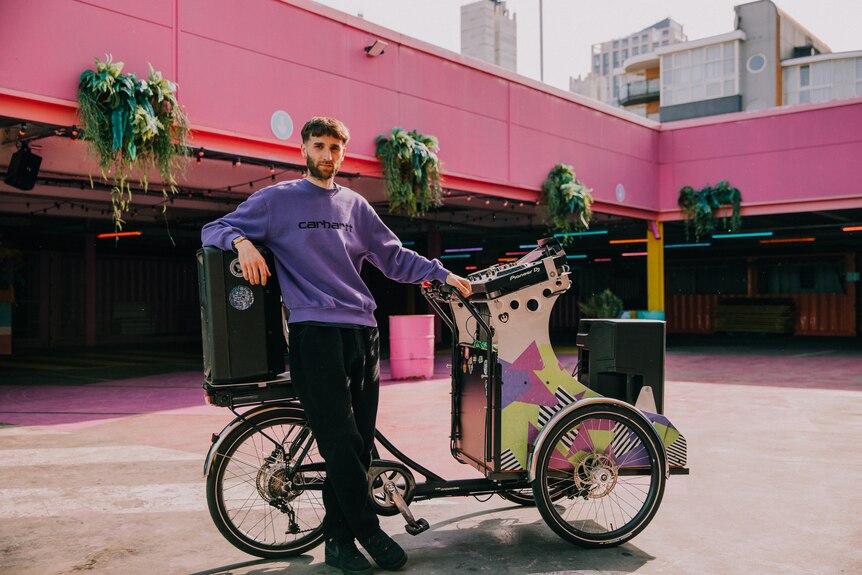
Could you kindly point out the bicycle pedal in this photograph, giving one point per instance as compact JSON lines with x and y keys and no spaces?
{"x":417,"y":528}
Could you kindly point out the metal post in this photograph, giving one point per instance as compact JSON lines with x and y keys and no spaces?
{"x":541,"y":43}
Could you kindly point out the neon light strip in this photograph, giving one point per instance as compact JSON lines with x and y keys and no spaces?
{"x":516,"y":253}
{"x":632,"y":241}
{"x":457,"y":250}
{"x":576,"y":257}
{"x":597,"y":260}
{"x":527,"y":246}
{"x":852,"y":229}
{"x":470,"y":268}
{"x":408,"y":243}
{"x":748,"y":235}
{"x":703,"y":245}
{"x":633,"y":254}
{"x":507,"y":259}
{"x":118,"y":235}
{"x":453,"y":256}
{"x":574,"y":234}
{"x":787,"y":240}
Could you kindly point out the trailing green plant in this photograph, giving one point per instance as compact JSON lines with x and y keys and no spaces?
{"x":411,"y":170}
{"x":701,"y":208}
{"x":132,"y":125}
{"x":604,"y":304}
{"x":567,"y":201}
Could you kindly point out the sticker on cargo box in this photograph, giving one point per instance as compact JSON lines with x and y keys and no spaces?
{"x":235,"y":268}
{"x":241,"y":298}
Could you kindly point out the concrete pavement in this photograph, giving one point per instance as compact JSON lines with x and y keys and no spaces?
{"x":106,"y":477}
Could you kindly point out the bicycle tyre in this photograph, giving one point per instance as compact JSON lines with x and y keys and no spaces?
{"x":251,"y":503}
{"x":600,"y":476}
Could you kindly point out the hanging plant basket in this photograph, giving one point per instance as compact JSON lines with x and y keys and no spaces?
{"x":132,"y":125}
{"x":701,"y":208}
{"x":568,"y":202}
{"x":411,"y":171}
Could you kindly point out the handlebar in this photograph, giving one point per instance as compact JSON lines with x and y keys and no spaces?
{"x":439,"y":291}
{"x":436,"y":292}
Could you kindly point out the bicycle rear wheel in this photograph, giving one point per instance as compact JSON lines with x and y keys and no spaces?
{"x":600,"y":476}
{"x":265,"y":489}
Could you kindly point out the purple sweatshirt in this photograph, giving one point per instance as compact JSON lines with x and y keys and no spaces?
{"x":319,"y":239}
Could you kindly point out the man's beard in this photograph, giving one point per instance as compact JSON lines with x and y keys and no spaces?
{"x":316,"y":172}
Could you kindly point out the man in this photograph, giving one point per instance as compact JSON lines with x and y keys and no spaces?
{"x":320,"y":233}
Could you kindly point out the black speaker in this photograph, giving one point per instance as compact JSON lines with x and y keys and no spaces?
{"x":23,"y":169}
{"x":243,"y":338}
{"x":618,"y":357}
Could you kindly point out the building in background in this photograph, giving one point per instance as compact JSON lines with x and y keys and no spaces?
{"x":606,"y":79}
{"x":489,"y":33}
{"x":769,"y":60}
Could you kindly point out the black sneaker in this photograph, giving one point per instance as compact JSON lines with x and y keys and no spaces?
{"x":385,"y":552}
{"x":345,"y":556}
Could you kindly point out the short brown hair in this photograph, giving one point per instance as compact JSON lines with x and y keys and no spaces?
{"x":324,"y":126}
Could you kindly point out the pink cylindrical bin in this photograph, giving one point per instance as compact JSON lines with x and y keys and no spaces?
{"x":411,"y":346}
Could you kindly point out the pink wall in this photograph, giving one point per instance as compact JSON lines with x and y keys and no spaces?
{"x":238,"y":62}
{"x":783,"y":159}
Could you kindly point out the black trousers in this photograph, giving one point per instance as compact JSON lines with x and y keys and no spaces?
{"x":336,"y":375}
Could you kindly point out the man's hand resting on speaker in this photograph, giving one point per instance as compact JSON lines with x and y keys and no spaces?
{"x":254,"y":268}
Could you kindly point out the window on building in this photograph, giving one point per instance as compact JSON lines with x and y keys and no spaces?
{"x":605,"y":70}
{"x":644,"y":38}
{"x":624,"y":55}
{"x":616,"y":60}
{"x":625,"y":43}
{"x":616,"y":44}
{"x":805,"y":276}
{"x":655,"y":46}
{"x":815,"y":82}
{"x":723,"y":278}
{"x":616,"y":87}
{"x":636,"y":51}
{"x":597,"y":64}
{"x":756,"y":63}
{"x":665,"y":32}
{"x":699,"y":74}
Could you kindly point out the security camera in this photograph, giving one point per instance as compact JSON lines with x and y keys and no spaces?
{"x":376,"y":48}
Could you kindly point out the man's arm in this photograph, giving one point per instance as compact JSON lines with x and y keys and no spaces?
{"x":403,"y":265}
{"x":237,"y":230}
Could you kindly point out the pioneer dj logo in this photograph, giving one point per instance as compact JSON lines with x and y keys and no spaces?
{"x":324,"y":225}
{"x":529,"y":272}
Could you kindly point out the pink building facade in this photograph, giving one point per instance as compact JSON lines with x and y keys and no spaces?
{"x":240,"y":66}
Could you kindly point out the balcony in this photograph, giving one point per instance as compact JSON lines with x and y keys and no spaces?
{"x":640,"y":92}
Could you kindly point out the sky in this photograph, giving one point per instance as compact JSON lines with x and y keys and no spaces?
{"x":571,"y":27}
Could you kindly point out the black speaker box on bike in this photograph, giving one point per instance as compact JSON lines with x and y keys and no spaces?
{"x":243,"y":339}
{"x":618,"y":357}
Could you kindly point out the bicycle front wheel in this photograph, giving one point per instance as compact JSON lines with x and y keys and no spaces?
{"x":600,"y":476}
{"x":265,"y":489}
